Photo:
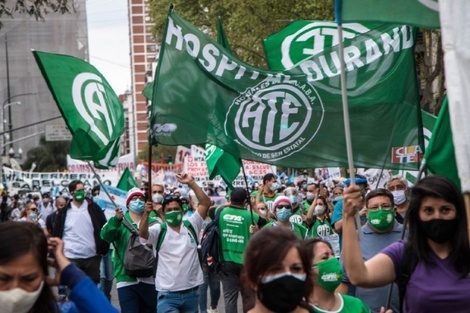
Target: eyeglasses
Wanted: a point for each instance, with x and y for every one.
(138, 198)
(284, 206)
(171, 198)
(385, 207)
(33, 209)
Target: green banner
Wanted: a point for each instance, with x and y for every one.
(89, 106)
(420, 13)
(301, 40)
(291, 118)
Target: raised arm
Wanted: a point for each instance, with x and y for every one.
(312, 208)
(203, 199)
(376, 272)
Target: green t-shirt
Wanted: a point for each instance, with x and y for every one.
(349, 305)
(306, 206)
(320, 229)
(299, 230)
(234, 228)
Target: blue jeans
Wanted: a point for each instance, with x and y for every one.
(106, 274)
(211, 280)
(178, 302)
(140, 298)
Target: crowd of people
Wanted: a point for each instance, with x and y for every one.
(305, 247)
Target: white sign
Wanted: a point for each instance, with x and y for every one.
(57, 132)
(181, 153)
(77, 166)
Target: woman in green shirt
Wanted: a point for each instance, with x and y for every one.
(282, 209)
(327, 274)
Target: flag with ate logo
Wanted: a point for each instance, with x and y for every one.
(89, 106)
(293, 118)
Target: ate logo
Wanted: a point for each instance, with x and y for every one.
(90, 99)
(275, 118)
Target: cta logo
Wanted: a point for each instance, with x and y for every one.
(164, 129)
(276, 118)
(90, 99)
(409, 154)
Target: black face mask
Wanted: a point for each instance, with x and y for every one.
(439, 230)
(282, 294)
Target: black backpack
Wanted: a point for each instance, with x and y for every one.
(139, 260)
(211, 245)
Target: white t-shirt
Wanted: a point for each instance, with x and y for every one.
(40, 222)
(79, 242)
(178, 262)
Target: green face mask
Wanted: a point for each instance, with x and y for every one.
(330, 274)
(185, 207)
(174, 218)
(381, 219)
(79, 195)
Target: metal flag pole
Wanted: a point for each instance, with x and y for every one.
(101, 184)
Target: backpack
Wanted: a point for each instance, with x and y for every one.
(211, 246)
(139, 260)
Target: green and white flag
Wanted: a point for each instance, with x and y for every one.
(420, 13)
(218, 161)
(291, 118)
(89, 106)
(127, 182)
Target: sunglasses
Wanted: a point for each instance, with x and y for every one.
(171, 198)
(284, 206)
(33, 209)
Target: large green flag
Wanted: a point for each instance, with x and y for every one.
(301, 40)
(440, 155)
(421, 13)
(218, 161)
(127, 182)
(89, 106)
(291, 118)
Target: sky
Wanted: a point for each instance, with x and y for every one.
(108, 41)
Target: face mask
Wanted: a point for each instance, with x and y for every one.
(282, 292)
(95, 198)
(293, 199)
(185, 207)
(399, 196)
(330, 274)
(262, 212)
(304, 186)
(283, 214)
(381, 219)
(157, 198)
(310, 196)
(174, 218)
(33, 216)
(18, 300)
(274, 186)
(79, 196)
(137, 206)
(319, 209)
(439, 230)
(45, 201)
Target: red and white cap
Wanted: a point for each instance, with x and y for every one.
(134, 192)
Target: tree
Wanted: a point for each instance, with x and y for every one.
(49, 156)
(246, 23)
(36, 8)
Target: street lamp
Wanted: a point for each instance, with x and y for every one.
(2, 118)
(11, 153)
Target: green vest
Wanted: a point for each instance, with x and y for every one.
(234, 228)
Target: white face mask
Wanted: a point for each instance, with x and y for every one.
(399, 197)
(310, 196)
(262, 213)
(274, 186)
(157, 198)
(18, 300)
(319, 209)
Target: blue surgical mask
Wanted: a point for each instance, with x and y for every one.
(137, 206)
(33, 216)
(283, 214)
(310, 196)
(293, 199)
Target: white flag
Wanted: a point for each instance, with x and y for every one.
(455, 25)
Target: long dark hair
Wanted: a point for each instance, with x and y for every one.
(438, 187)
(19, 239)
(267, 249)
